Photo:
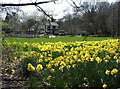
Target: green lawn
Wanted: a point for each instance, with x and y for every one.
(56, 39)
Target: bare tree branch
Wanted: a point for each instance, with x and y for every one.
(40, 9)
(25, 4)
(70, 4)
(75, 4)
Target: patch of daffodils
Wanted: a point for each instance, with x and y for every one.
(97, 57)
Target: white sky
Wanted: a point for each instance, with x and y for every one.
(58, 10)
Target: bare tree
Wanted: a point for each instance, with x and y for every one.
(97, 17)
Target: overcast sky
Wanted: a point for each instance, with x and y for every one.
(58, 9)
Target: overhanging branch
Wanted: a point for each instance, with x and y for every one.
(26, 4)
(40, 9)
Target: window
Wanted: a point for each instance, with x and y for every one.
(48, 27)
(54, 27)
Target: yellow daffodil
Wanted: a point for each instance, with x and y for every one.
(63, 63)
(104, 86)
(30, 67)
(114, 71)
(15, 58)
(41, 56)
(20, 59)
(74, 65)
(13, 70)
(40, 60)
(61, 67)
(106, 60)
(98, 59)
(49, 77)
(91, 59)
(115, 57)
(85, 79)
(118, 60)
(107, 57)
(68, 66)
(107, 72)
(39, 67)
(52, 70)
(78, 60)
(51, 62)
(48, 66)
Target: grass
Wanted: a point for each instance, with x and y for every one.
(56, 39)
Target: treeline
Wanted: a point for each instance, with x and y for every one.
(98, 18)
(27, 24)
(101, 18)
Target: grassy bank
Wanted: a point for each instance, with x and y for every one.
(55, 39)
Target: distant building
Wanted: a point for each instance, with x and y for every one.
(51, 27)
(37, 30)
(48, 27)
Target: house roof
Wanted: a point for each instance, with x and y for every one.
(52, 23)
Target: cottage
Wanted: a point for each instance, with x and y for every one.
(51, 27)
(48, 27)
